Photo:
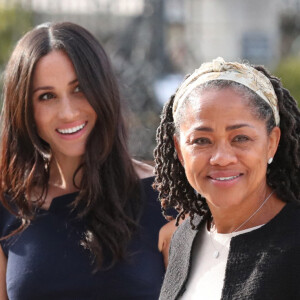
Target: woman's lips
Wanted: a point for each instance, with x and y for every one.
(74, 132)
(225, 179)
(71, 130)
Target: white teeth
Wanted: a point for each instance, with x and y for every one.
(226, 178)
(71, 130)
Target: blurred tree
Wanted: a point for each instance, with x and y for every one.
(139, 57)
(14, 22)
(290, 31)
(288, 71)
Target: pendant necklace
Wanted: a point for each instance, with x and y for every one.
(217, 252)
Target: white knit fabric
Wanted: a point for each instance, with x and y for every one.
(207, 272)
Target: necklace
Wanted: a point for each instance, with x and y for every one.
(217, 252)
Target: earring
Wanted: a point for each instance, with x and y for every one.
(270, 160)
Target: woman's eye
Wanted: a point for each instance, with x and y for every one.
(46, 96)
(77, 89)
(202, 141)
(241, 138)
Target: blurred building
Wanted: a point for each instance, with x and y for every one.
(187, 31)
(152, 43)
(234, 29)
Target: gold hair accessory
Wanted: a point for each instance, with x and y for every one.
(241, 73)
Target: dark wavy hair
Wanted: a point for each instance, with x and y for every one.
(109, 195)
(283, 175)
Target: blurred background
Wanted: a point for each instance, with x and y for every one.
(154, 43)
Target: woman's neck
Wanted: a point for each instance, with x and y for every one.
(62, 174)
(252, 213)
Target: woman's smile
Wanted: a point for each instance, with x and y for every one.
(224, 175)
(224, 148)
(64, 117)
(224, 180)
(71, 130)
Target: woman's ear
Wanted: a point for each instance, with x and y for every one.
(178, 150)
(274, 138)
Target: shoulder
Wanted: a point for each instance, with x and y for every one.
(143, 169)
(152, 213)
(179, 259)
(8, 218)
(290, 214)
(8, 223)
(5, 219)
(183, 237)
(290, 218)
(283, 228)
(185, 227)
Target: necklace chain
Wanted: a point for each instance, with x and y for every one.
(217, 252)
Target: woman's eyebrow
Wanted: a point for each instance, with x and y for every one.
(42, 88)
(237, 126)
(228, 128)
(51, 87)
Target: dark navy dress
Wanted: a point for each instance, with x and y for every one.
(46, 261)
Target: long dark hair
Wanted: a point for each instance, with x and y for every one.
(109, 190)
(283, 174)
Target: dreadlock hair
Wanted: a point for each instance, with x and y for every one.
(109, 192)
(283, 175)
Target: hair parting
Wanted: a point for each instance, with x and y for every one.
(109, 197)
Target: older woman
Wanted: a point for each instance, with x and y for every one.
(228, 155)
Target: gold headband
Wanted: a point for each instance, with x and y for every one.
(241, 73)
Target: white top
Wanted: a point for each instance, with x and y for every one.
(208, 272)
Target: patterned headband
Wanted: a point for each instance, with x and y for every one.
(241, 73)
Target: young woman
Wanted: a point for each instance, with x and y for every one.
(228, 155)
(79, 219)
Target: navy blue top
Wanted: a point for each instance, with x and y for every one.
(46, 261)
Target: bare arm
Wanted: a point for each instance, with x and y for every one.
(164, 239)
(3, 263)
(142, 169)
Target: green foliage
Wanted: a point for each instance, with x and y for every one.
(289, 72)
(14, 22)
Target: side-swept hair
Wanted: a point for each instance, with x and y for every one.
(109, 190)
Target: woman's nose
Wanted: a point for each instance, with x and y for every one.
(223, 155)
(68, 110)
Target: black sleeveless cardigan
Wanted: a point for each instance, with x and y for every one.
(262, 264)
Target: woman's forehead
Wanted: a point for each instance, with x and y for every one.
(212, 98)
(217, 106)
